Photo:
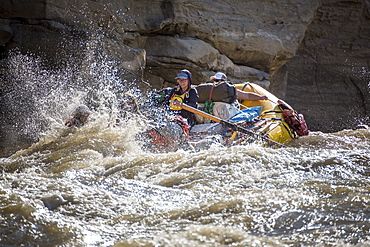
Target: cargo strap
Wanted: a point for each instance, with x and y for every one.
(208, 105)
(292, 133)
(244, 86)
(183, 124)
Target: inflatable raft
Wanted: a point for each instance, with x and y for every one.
(268, 124)
(271, 122)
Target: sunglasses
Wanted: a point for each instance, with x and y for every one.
(216, 80)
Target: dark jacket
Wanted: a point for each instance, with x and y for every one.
(191, 99)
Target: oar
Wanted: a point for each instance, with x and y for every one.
(228, 124)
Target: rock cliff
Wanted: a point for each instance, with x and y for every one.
(314, 54)
(329, 77)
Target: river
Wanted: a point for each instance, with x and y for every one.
(96, 186)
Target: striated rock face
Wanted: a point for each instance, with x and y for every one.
(329, 78)
(262, 35)
(150, 41)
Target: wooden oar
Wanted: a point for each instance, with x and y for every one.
(230, 125)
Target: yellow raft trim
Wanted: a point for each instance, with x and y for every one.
(275, 127)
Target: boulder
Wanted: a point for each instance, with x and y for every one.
(166, 55)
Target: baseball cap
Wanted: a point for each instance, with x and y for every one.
(182, 75)
(219, 76)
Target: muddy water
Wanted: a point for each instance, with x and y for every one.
(95, 186)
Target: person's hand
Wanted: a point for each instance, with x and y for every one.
(176, 102)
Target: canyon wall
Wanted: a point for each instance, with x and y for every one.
(329, 77)
(314, 54)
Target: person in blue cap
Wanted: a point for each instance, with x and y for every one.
(184, 93)
(173, 132)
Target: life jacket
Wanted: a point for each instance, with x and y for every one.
(295, 120)
(222, 92)
(180, 98)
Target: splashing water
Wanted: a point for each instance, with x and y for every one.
(97, 186)
(112, 192)
(36, 98)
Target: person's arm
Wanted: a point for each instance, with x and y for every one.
(193, 97)
(169, 96)
(241, 95)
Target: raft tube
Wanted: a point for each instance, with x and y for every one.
(272, 123)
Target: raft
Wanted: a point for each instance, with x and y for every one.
(268, 123)
(272, 124)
